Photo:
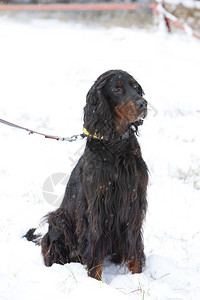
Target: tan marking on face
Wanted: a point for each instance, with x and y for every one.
(119, 84)
(126, 111)
(131, 82)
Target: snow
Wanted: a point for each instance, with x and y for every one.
(47, 67)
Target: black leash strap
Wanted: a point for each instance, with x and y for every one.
(68, 139)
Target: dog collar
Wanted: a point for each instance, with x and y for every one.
(94, 135)
(124, 136)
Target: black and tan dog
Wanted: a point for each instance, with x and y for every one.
(104, 206)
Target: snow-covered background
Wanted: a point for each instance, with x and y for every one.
(46, 69)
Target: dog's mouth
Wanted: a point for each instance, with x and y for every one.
(141, 116)
(140, 119)
(136, 116)
(129, 113)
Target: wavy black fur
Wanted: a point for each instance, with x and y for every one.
(105, 200)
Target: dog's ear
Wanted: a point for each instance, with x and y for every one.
(97, 115)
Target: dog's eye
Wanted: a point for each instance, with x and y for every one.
(117, 90)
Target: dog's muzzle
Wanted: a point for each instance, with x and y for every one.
(141, 105)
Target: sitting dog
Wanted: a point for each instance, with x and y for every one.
(104, 205)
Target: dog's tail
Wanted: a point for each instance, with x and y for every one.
(32, 237)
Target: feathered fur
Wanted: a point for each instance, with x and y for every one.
(105, 199)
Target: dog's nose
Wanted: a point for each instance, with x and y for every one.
(141, 104)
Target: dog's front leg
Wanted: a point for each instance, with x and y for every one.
(95, 271)
(134, 266)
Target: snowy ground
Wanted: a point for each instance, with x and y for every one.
(46, 69)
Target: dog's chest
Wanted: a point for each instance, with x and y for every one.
(117, 170)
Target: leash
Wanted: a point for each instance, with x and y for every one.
(73, 138)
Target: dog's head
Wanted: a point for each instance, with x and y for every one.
(114, 102)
